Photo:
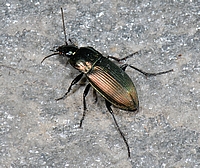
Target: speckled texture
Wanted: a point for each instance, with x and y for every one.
(37, 131)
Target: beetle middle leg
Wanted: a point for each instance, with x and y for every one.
(122, 59)
(139, 70)
(78, 78)
(87, 88)
(108, 105)
(145, 73)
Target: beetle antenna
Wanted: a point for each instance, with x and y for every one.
(49, 56)
(63, 21)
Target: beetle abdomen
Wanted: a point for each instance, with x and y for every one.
(114, 85)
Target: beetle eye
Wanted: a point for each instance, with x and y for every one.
(70, 53)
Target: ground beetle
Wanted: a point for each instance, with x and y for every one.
(105, 77)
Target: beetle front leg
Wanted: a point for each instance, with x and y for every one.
(108, 105)
(84, 103)
(78, 78)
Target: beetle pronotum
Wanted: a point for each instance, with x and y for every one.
(105, 77)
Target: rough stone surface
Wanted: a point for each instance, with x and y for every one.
(37, 131)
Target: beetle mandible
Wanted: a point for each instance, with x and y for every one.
(105, 77)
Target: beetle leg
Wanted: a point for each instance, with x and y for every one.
(108, 105)
(95, 95)
(123, 67)
(122, 59)
(149, 74)
(78, 78)
(87, 88)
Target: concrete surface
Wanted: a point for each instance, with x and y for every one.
(37, 131)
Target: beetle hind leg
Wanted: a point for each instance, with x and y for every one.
(78, 78)
(108, 105)
(87, 88)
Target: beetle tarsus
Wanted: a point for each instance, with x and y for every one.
(159, 73)
(61, 98)
(78, 78)
(108, 105)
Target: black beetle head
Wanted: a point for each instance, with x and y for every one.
(67, 50)
(64, 50)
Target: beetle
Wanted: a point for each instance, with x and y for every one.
(104, 76)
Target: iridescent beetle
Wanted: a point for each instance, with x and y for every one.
(105, 77)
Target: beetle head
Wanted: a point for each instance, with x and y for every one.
(64, 50)
(67, 50)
